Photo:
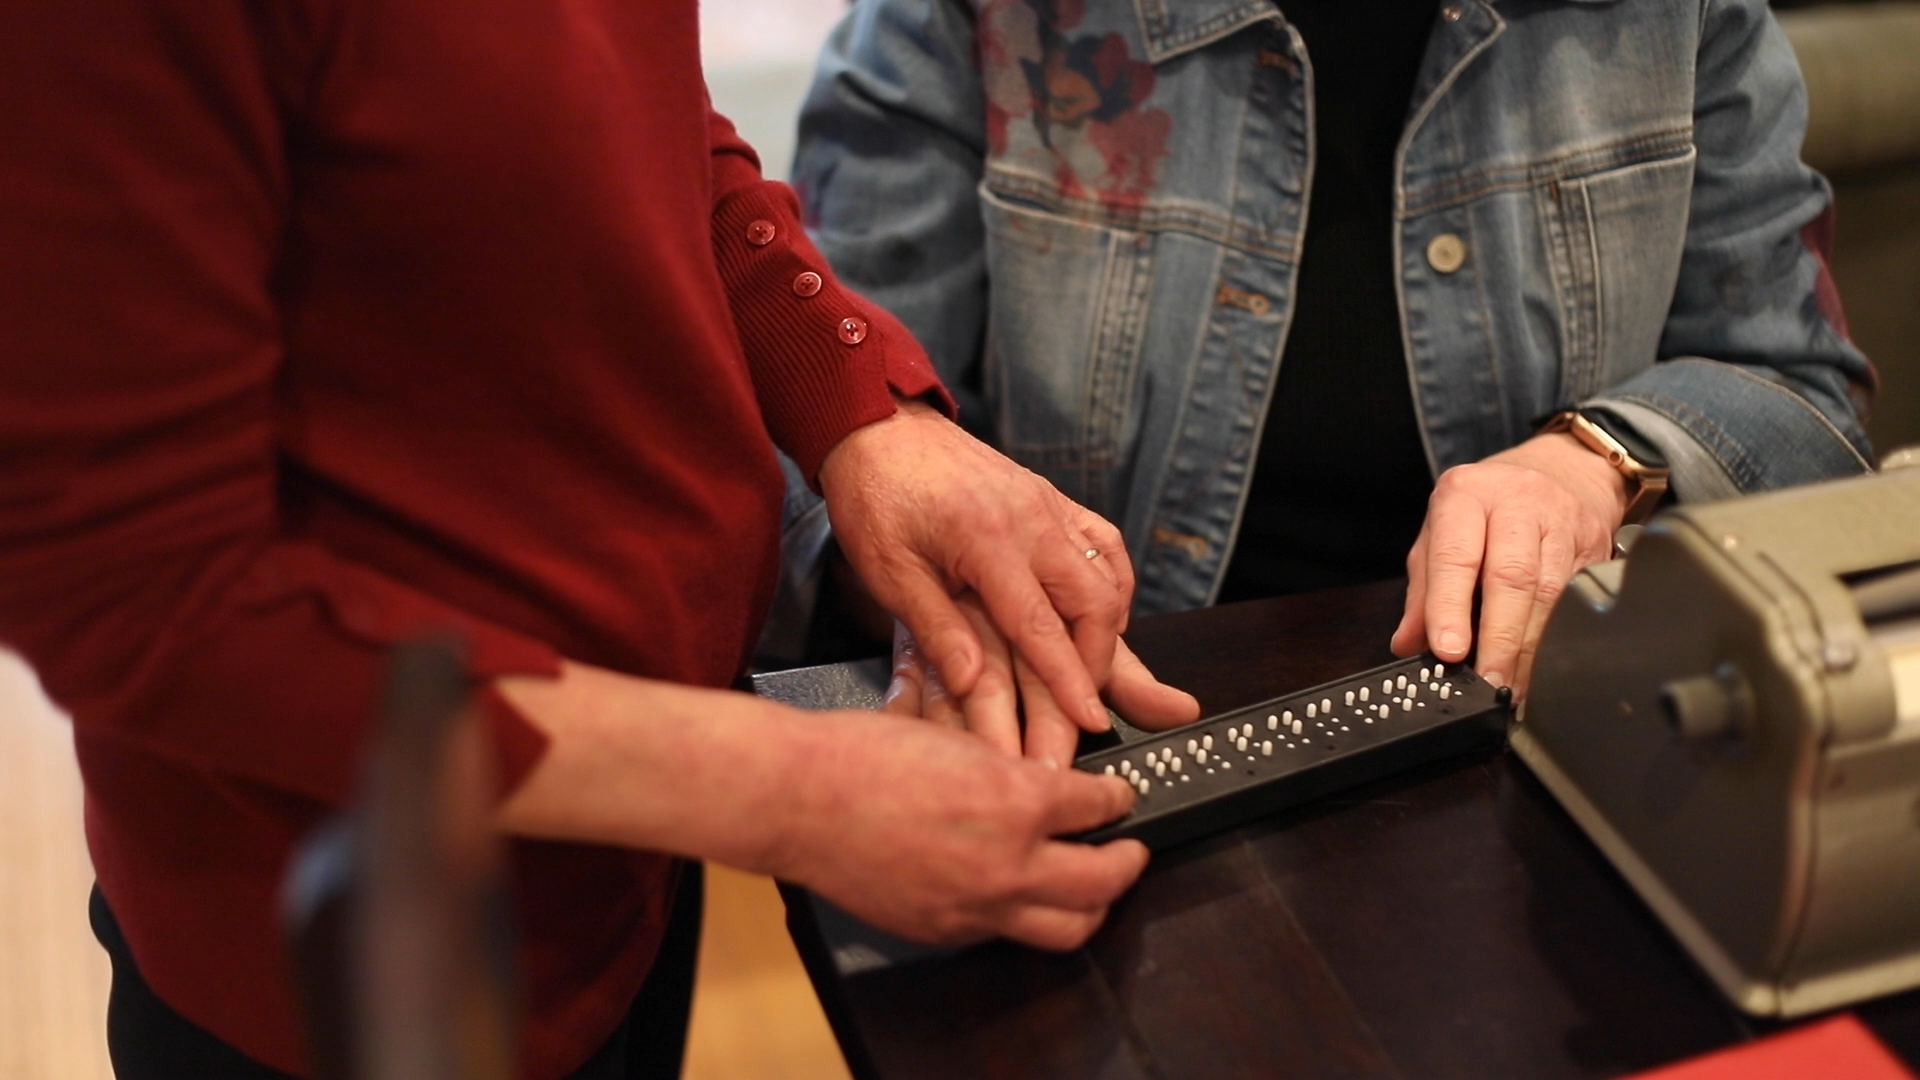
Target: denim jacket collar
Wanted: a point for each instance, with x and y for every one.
(1172, 27)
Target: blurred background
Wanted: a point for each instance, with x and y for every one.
(754, 1012)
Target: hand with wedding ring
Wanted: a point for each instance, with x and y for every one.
(994, 573)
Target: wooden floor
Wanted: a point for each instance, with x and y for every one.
(754, 1014)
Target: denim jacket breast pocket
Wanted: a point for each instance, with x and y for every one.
(1614, 241)
(1067, 307)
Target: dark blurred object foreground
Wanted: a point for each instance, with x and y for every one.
(397, 911)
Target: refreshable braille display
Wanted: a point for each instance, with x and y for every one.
(1220, 772)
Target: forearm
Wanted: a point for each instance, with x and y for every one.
(708, 774)
(1728, 429)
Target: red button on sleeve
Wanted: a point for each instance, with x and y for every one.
(761, 233)
(807, 284)
(853, 331)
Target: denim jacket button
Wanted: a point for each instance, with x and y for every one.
(1451, 13)
(807, 284)
(761, 233)
(853, 331)
(1446, 253)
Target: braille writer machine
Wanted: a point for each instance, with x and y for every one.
(1732, 713)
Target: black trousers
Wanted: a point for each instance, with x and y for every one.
(147, 1040)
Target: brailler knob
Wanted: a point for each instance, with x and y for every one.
(807, 284)
(853, 331)
(761, 233)
(1701, 707)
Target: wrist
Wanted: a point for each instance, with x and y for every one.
(656, 766)
(844, 460)
(1585, 473)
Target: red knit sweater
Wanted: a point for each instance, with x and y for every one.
(325, 322)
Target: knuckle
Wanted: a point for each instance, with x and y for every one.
(1453, 481)
(1041, 619)
(1073, 934)
(951, 926)
(1516, 573)
(1453, 551)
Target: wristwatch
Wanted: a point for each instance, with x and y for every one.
(1643, 465)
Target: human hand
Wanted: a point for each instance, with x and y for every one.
(924, 512)
(930, 834)
(920, 830)
(1519, 525)
(1007, 683)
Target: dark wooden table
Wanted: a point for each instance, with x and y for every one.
(1451, 922)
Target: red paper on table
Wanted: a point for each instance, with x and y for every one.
(1838, 1049)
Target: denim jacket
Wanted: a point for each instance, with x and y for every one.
(1091, 213)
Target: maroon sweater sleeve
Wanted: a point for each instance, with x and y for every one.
(824, 360)
(144, 569)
